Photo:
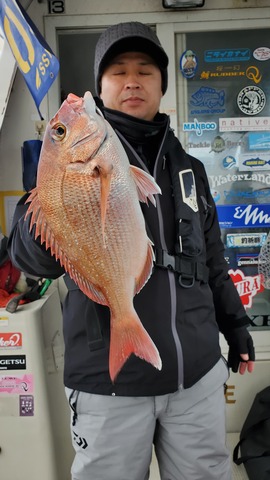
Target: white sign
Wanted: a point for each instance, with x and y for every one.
(244, 124)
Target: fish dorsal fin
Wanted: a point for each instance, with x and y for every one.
(146, 185)
(147, 270)
(47, 236)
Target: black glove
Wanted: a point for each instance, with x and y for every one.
(239, 341)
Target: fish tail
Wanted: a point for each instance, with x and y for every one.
(130, 337)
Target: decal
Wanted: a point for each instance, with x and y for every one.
(209, 100)
(251, 100)
(218, 144)
(12, 362)
(239, 216)
(244, 124)
(246, 286)
(218, 180)
(253, 73)
(227, 55)
(18, 384)
(233, 72)
(4, 321)
(216, 195)
(188, 64)
(262, 53)
(188, 189)
(199, 145)
(229, 162)
(259, 141)
(247, 259)
(199, 127)
(234, 240)
(10, 340)
(246, 162)
(264, 193)
(26, 405)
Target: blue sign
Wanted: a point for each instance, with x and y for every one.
(227, 55)
(259, 141)
(33, 55)
(243, 216)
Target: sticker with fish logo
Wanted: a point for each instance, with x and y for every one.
(188, 64)
(251, 100)
(188, 189)
(229, 162)
(262, 53)
(262, 162)
(208, 101)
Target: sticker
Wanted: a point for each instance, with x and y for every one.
(223, 72)
(216, 195)
(218, 180)
(262, 53)
(229, 162)
(218, 144)
(26, 405)
(247, 286)
(209, 100)
(247, 259)
(18, 384)
(199, 127)
(4, 321)
(253, 73)
(251, 100)
(264, 193)
(188, 189)
(259, 141)
(10, 340)
(234, 240)
(188, 64)
(12, 362)
(244, 124)
(227, 55)
(239, 216)
(246, 162)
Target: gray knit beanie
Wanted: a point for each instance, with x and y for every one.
(126, 37)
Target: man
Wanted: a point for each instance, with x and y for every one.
(187, 301)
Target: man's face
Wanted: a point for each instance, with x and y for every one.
(132, 84)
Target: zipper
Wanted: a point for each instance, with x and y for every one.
(171, 276)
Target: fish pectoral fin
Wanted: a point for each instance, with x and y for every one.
(129, 336)
(147, 270)
(88, 288)
(146, 185)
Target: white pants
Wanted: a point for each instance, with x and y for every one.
(113, 436)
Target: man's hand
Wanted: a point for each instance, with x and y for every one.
(241, 356)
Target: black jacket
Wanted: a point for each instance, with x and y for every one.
(184, 323)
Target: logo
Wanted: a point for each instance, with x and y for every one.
(188, 64)
(218, 144)
(253, 73)
(254, 163)
(12, 362)
(259, 194)
(247, 287)
(218, 180)
(244, 124)
(239, 216)
(10, 340)
(229, 162)
(251, 100)
(198, 127)
(259, 141)
(235, 240)
(262, 53)
(247, 260)
(227, 55)
(209, 100)
(80, 441)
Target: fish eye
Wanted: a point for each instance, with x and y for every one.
(59, 131)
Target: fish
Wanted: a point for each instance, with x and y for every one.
(86, 210)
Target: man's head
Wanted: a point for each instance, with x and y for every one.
(129, 37)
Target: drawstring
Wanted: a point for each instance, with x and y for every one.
(73, 406)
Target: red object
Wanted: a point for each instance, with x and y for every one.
(9, 276)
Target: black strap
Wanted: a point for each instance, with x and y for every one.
(188, 269)
(92, 323)
(245, 458)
